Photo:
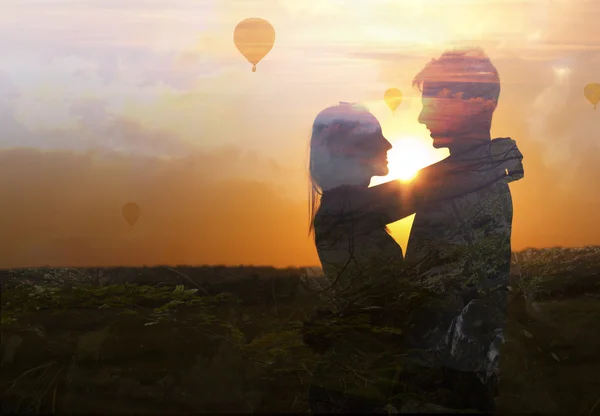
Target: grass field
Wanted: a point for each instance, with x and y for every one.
(226, 339)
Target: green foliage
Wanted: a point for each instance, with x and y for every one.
(558, 272)
(24, 300)
(179, 327)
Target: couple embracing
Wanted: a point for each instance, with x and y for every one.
(439, 310)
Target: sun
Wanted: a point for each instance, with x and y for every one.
(402, 166)
(408, 155)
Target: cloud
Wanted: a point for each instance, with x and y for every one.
(564, 138)
(111, 36)
(95, 128)
(164, 80)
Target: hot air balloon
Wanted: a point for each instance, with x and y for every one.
(131, 212)
(393, 98)
(254, 38)
(592, 93)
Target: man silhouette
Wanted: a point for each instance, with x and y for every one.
(460, 249)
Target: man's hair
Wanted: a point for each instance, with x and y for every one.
(467, 73)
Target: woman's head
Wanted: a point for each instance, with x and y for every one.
(347, 147)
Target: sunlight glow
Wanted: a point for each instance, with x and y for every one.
(561, 72)
(408, 156)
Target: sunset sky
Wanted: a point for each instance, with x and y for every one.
(150, 101)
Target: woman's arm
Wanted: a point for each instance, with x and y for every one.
(496, 155)
(445, 180)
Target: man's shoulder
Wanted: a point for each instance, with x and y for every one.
(495, 198)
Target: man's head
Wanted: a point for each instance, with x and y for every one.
(460, 93)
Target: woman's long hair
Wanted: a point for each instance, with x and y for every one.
(315, 175)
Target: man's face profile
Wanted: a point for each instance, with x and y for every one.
(441, 114)
(448, 116)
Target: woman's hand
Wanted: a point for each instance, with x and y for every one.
(506, 154)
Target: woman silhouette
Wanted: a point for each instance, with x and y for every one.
(349, 222)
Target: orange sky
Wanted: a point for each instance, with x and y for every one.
(216, 154)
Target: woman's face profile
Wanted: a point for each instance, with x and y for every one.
(368, 147)
(370, 152)
(356, 147)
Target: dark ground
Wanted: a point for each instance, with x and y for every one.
(152, 340)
